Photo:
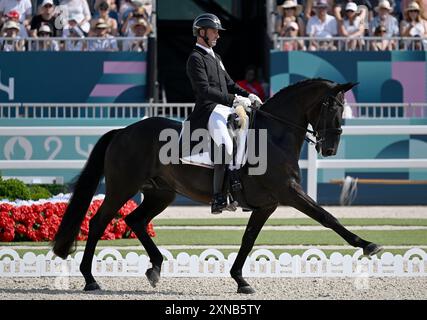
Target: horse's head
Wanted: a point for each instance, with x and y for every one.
(326, 119)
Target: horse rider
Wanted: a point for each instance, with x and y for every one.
(215, 94)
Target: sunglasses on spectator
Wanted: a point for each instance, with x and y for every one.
(44, 33)
(291, 29)
(48, 6)
(413, 11)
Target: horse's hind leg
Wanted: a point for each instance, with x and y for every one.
(301, 201)
(97, 225)
(155, 201)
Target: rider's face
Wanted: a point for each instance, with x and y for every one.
(212, 34)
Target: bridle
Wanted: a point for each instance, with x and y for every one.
(319, 135)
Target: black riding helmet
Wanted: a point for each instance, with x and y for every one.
(205, 21)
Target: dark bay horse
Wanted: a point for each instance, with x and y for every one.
(129, 160)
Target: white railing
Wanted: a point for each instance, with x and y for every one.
(350, 44)
(94, 110)
(312, 164)
(75, 44)
(177, 110)
(388, 110)
(212, 263)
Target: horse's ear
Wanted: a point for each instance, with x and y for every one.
(345, 86)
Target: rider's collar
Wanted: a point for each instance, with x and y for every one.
(208, 50)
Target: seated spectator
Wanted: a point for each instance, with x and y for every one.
(104, 13)
(106, 42)
(23, 7)
(132, 17)
(79, 9)
(289, 12)
(128, 6)
(47, 16)
(46, 44)
(251, 83)
(14, 43)
(381, 44)
(421, 3)
(385, 19)
(413, 26)
(294, 44)
(351, 26)
(322, 25)
(75, 44)
(139, 29)
(14, 16)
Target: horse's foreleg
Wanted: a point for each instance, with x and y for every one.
(301, 201)
(155, 202)
(255, 224)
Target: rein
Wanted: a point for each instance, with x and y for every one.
(314, 132)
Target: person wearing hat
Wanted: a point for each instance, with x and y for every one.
(104, 13)
(413, 25)
(45, 43)
(292, 31)
(140, 29)
(290, 11)
(23, 7)
(385, 19)
(14, 43)
(322, 25)
(47, 16)
(216, 93)
(105, 41)
(351, 26)
(421, 3)
(14, 16)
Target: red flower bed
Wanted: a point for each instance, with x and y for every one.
(39, 222)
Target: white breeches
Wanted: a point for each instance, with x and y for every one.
(217, 126)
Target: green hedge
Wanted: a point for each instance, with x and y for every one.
(13, 189)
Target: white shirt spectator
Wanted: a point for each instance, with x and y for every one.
(390, 23)
(107, 43)
(325, 29)
(23, 7)
(352, 28)
(79, 10)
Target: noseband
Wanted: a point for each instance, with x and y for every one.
(318, 134)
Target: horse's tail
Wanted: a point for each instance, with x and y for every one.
(84, 190)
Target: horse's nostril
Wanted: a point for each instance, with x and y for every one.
(330, 152)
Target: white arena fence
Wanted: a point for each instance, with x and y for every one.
(181, 111)
(79, 43)
(312, 164)
(212, 263)
(350, 44)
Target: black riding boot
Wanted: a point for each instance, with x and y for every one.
(219, 201)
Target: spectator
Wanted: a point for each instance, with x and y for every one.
(132, 17)
(385, 19)
(14, 16)
(413, 26)
(23, 7)
(128, 6)
(74, 44)
(251, 83)
(79, 9)
(139, 29)
(421, 3)
(106, 42)
(322, 25)
(46, 16)
(15, 43)
(381, 44)
(294, 44)
(103, 13)
(289, 12)
(46, 44)
(351, 26)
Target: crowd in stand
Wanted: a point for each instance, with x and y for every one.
(55, 25)
(369, 24)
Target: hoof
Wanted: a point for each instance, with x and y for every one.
(245, 290)
(372, 249)
(153, 276)
(92, 287)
